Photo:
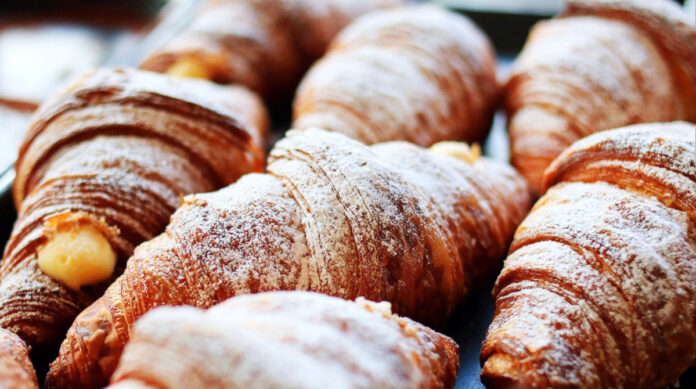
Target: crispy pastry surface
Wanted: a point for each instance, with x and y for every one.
(418, 73)
(599, 289)
(265, 45)
(601, 64)
(116, 151)
(390, 222)
(286, 340)
(16, 370)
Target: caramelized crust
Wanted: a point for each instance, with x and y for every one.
(116, 151)
(265, 45)
(392, 222)
(16, 371)
(602, 64)
(419, 73)
(599, 289)
(285, 340)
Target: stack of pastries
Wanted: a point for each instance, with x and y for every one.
(265, 45)
(391, 222)
(151, 219)
(101, 169)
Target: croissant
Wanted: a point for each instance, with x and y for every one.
(102, 168)
(265, 45)
(16, 370)
(419, 73)
(599, 290)
(392, 222)
(288, 340)
(602, 64)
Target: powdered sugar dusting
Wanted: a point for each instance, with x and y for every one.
(117, 149)
(391, 222)
(384, 79)
(265, 45)
(604, 269)
(602, 65)
(313, 341)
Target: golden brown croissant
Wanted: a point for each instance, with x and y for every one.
(102, 168)
(602, 64)
(390, 222)
(265, 45)
(420, 73)
(599, 290)
(287, 340)
(16, 370)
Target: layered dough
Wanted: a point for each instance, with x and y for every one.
(102, 168)
(599, 65)
(265, 45)
(390, 222)
(285, 340)
(417, 73)
(599, 289)
(16, 370)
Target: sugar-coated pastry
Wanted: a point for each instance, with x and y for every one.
(599, 289)
(601, 64)
(285, 340)
(390, 222)
(418, 73)
(101, 169)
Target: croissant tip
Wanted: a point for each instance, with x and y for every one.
(502, 371)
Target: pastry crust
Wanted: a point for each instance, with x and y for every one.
(390, 222)
(602, 64)
(286, 340)
(418, 73)
(116, 151)
(599, 289)
(16, 371)
(265, 45)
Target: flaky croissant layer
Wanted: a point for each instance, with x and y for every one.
(102, 168)
(285, 340)
(600, 287)
(265, 45)
(599, 65)
(418, 73)
(16, 370)
(392, 222)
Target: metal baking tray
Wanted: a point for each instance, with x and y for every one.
(508, 31)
